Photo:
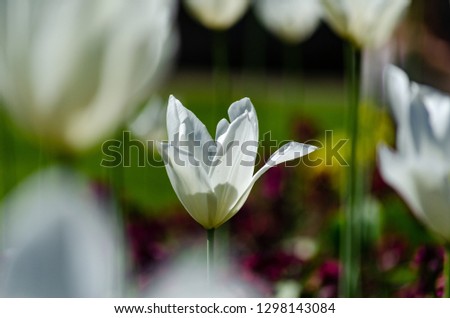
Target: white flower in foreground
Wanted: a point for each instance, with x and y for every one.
(184, 276)
(367, 23)
(217, 14)
(72, 71)
(420, 168)
(58, 239)
(291, 20)
(213, 178)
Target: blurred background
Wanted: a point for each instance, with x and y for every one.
(285, 242)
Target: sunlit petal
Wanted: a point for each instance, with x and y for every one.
(190, 182)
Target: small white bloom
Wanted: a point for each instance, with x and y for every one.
(291, 20)
(213, 178)
(71, 72)
(288, 289)
(217, 14)
(420, 168)
(367, 23)
(150, 123)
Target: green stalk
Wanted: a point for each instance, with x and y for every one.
(210, 255)
(7, 153)
(220, 73)
(447, 271)
(351, 240)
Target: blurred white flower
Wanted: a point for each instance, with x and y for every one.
(217, 14)
(185, 276)
(150, 124)
(58, 239)
(213, 178)
(288, 289)
(367, 23)
(72, 71)
(420, 168)
(291, 20)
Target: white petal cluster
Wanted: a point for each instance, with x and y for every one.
(291, 20)
(420, 168)
(213, 178)
(367, 23)
(72, 71)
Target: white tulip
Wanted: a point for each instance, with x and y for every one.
(58, 239)
(367, 23)
(291, 20)
(420, 168)
(72, 71)
(213, 178)
(217, 14)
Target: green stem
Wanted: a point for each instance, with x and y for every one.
(7, 160)
(220, 73)
(447, 271)
(210, 255)
(351, 235)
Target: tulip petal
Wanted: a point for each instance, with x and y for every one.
(124, 54)
(290, 151)
(395, 171)
(106, 57)
(438, 107)
(399, 94)
(222, 127)
(336, 14)
(248, 133)
(424, 185)
(240, 107)
(183, 126)
(177, 115)
(432, 180)
(366, 23)
(233, 166)
(217, 14)
(425, 141)
(190, 182)
(291, 20)
(391, 12)
(398, 91)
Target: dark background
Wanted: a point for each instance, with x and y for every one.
(250, 46)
